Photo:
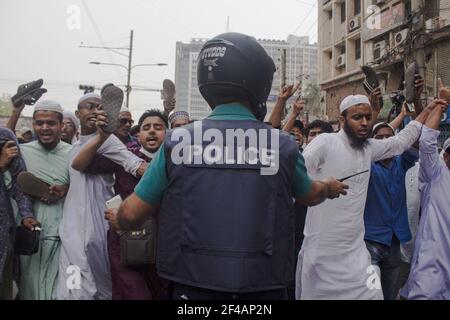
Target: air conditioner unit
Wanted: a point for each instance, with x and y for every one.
(379, 49)
(400, 37)
(354, 24)
(340, 61)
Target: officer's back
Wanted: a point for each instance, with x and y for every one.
(225, 185)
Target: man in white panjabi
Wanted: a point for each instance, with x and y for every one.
(84, 268)
(334, 262)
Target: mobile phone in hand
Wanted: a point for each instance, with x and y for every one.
(114, 203)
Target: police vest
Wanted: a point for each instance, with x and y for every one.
(224, 225)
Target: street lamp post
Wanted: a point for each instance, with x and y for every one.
(128, 69)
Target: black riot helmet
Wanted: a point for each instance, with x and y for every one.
(235, 66)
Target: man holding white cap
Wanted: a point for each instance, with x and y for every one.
(47, 158)
(334, 262)
(83, 228)
(430, 267)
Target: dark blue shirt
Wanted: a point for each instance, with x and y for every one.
(385, 213)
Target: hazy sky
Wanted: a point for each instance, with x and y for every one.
(36, 41)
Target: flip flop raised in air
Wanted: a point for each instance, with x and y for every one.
(168, 94)
(112, 99)
(410, 88)
(35, 187)
(371, 81)
(28, 93)
(168, 89)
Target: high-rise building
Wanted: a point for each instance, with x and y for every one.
(301, 59)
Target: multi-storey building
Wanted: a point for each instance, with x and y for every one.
(386, 35)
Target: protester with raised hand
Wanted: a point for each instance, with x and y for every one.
(334, 262)
(277, 112)
(430, 265)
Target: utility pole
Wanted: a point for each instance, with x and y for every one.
(283, 76)
(130, 54)
(283, 68)
(128, 86)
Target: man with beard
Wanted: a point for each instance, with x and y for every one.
(70, 129)
(47, 158)
(334, 262)
(128, 282)
(83, 229)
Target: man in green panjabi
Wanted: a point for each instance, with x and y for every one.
(47, 158)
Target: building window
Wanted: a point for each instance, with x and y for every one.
(357, 7)
(343, 12)
(358, 49)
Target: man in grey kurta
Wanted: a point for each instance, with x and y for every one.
(429, 278)
(47, 158)
(84, 269)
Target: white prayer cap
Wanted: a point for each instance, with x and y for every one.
(446, 144)
(88, 96)
(24, 130)
(175, 115)
(70, 115)
(48, 105)
(351, 101)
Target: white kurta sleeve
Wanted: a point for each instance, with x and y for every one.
(388, 148)
(316, 152)
(430, 164)
(116, 151)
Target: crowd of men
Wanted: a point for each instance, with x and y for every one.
(357, 213)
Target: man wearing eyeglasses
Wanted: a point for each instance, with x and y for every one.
(125, 124)
(83, 229)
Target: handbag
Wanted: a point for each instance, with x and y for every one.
(26, 241)
(138, 247)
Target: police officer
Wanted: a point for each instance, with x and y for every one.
(226, 217)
